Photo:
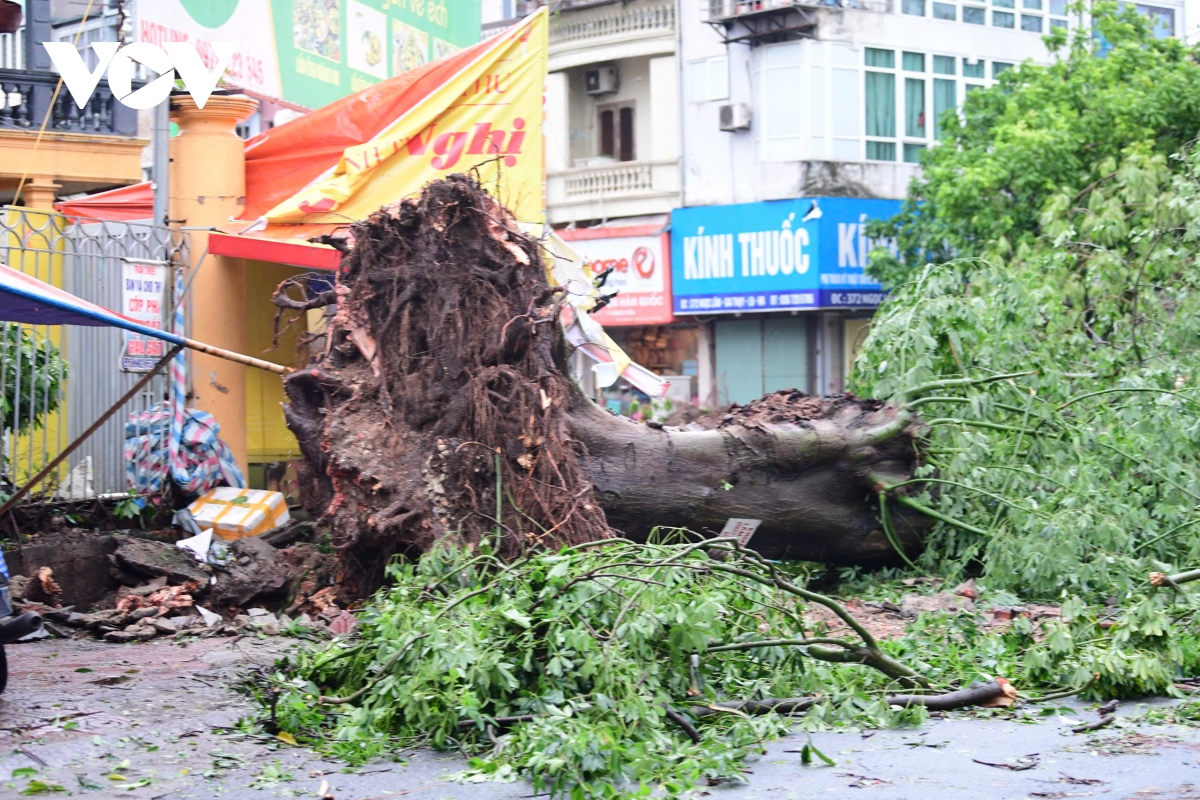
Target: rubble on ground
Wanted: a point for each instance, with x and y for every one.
(163, 590)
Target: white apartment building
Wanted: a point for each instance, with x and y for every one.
(803, 120)
(723, 157)
(840, 98)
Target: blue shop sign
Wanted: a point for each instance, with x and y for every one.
(775, 256)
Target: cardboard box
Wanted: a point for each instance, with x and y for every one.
(235, 513)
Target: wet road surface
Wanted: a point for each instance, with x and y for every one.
(150, 721)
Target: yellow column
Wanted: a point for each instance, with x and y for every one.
(208, 188)
(40, 192)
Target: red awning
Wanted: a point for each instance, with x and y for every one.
(118, 205)
(293, 252)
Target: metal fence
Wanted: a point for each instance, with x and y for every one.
(55, 381)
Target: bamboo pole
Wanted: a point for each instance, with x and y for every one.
(237, 358)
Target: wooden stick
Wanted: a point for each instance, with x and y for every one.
(236, 358)
(61, 457)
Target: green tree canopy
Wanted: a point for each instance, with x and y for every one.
(1052, 139)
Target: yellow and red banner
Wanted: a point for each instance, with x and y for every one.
(486, 118)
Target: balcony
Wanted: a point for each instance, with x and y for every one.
(766, 21)
(611, 32)
(25, 98)
(619, 189)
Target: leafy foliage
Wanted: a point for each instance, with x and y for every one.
(1053, 139)
(1082, 476)
(591, 647)
(32, 376)
(561, 666)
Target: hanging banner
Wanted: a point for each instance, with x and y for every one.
(637, 259)
(312, 52)
(143, 292)
(485, 120)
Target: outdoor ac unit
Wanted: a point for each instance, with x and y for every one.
(602, 80)
(735, 117)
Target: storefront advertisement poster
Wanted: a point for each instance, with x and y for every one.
(143, 288)
(778, 255)
(312, 52)
(637, 259)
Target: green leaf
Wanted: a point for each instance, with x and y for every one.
(517, 617)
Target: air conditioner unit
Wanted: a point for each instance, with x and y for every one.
(602, 80)
(735, 117)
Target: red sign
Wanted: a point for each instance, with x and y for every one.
(639, 260)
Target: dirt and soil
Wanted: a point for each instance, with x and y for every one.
(124, 587)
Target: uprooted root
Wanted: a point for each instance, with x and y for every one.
(437, 409)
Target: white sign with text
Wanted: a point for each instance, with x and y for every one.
(143, 287)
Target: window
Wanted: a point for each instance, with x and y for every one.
(914, 97)
(783, 103)
(945, 91)
(880, 96)
(914, 7)
(1029, 23)
(945, 11)
(1162, 20)
(617, 131)
(1003, 19)
(710, 79)
(909, 97)
(1058, 8)
(98, 30)
(974, 16)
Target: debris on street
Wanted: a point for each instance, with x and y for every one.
(157, 588)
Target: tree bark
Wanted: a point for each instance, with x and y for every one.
(442, 410)
(811, 486)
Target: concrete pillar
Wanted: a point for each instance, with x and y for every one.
(706, 368)
(664, 109)
(829, 356)
(558, 129)
(208, 188)
(40, 192)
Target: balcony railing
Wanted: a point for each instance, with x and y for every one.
(574, 28)
(25, 98)
(619, 180)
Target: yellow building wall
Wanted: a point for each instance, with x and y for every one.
(267, 436)
(33, 243)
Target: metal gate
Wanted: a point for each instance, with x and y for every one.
(55, 381)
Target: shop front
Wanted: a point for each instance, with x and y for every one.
(781, 287)
(635, 261)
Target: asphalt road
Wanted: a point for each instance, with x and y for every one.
(143, 723)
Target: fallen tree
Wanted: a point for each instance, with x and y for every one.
(443, 407)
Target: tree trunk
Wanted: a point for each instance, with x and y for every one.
(441, 409)
(810, 482)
